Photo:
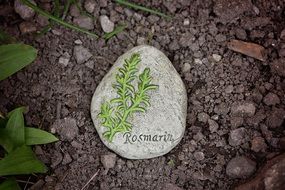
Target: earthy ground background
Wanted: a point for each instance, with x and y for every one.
(58, 90)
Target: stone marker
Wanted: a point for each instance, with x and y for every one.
(139, 109)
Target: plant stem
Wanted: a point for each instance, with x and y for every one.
(117, 30)
(142, 8)
(65, 9)
(58, 20)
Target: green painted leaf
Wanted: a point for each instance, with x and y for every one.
(128, 100)
(21, 161)
(10, 184)
(14, 57)
(35, 136)
(15, 127)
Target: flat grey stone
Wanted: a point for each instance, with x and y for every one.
(159, 129)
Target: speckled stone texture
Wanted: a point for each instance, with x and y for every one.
(162, 126)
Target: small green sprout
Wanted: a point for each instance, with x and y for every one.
(115, 114)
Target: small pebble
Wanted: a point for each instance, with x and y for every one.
(217, 57)
(84, 22)
(237, 136)
(199, 156)
(27, 27)
(24, 11)
(213, 125)
(81, 54)
(240, 167)
(108, 160)
(186, 68)
(258, 144)
(186, 22)
(203, 117)
(106, 24)
(89, 6)
(271, 99)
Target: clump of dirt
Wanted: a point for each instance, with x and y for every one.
(236, 104)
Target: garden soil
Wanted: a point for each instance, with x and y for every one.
(236, 103)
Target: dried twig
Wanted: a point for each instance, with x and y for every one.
(27, 182)
(90, 180)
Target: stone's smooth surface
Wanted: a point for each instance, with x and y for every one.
(161, 127)
(81, 54)
(106, 24)
(240, 167)
(24, 11)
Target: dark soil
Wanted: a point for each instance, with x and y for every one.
(59, 95)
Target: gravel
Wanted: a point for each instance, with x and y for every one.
(54, 91)
(203, 117)
(240, 167)
(258, 144)
(109, 160)
(106, 24)
(243, 109)
(84, 22)
(24, 11)
(271, 99)
(66, 128)
(217, 57)
(81, 54)
(213, 125)
(27, 27)
(64, 59)
(237, 136)
(89, 5)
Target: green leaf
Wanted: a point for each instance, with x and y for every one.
(14, 57)
(15, 127)
(22, 109)
(6, 38)
(5, 140)
(35, 136)
(3, 122)
(10, 184)
(142, 8)
(21, 161)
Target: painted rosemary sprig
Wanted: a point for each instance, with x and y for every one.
(115, 113)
